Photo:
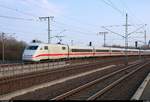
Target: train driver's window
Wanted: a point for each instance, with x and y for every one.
(45, 47)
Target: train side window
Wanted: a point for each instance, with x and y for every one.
(32, 47)
(81, 50)
(46, 47)
(63, 48)
(41, 48)
(102, 50)
(116, 51)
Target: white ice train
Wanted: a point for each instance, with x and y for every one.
(41, 51)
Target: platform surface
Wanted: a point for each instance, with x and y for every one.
(146, 93)
(143, 92)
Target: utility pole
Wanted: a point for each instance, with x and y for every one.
(126, 40)
(3, 48)
(145, 35)
(49, 30)
(104, 33)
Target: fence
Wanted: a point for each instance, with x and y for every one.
(14, 69)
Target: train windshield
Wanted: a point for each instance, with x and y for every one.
(32, 47)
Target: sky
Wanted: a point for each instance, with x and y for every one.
(78, 21)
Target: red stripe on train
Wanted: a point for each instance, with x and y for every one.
(65, 54)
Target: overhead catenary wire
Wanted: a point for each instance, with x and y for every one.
(113, 32)
(72, 18)
(133, 16)
(16, 18)
(34, 18)
(136, 30)
(74, 31)
(16, 10)
(109, 3)
(91, 25)
(76, 27)
(78, 31)
(20, 31)
(130, 11)
(87, 24)
(86, 31)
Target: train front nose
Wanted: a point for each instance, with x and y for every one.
(29, 52)
(28, 55)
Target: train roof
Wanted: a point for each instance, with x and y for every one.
(85, 47)
(37, 44)
(81, 47)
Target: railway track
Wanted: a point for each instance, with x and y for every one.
(98, 87)
(17, 82)
(68, 83)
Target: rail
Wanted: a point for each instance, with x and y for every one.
(106, 89)
(85, 86)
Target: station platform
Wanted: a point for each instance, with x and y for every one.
(143, 92)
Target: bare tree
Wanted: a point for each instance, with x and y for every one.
(13, 48)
